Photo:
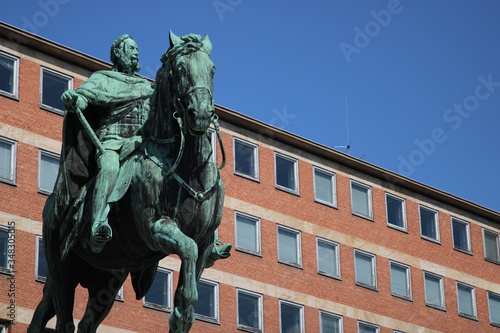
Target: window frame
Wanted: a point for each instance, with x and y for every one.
(333, 178)
(368, 325)
(295, 305)
(60, 75)
(216, 319)
(255, 154)
(403, 208)
(369, 197)
(8, 268)
(295, 173)
(48, 154)
(337, 257)
(495, 295)
(13, 161)
(15, 74)
(212, 136)
(408, 280)
(298, 237)
(166, 308)
(474, 303)
(258, 250)
(497, 237)
(441, 291)
(373, 269)
(260, 311)
(332, 315)
(467, 235)
(436, 223)
(38, 277)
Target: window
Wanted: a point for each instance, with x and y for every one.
(365, 269)
(324, 187)
(249, 311)
(400, 280)
(286, 173)
(49, 166)
(207, 307)
(247, 233)
(291, 317)
(429, 225)
(461, 235)
(159, 295)
(9, 75)
(4, 257)
(491, 246)
(246, 159)
(41, 260)
(494, 307)
(330, 323)
(361, 198)
(466, 298)
(434, 290)
(364, 327)
(328, 258)
(3, 328)
(289, 251)
(8, 150)
(53, 85)
(212, 137)
(396, 215)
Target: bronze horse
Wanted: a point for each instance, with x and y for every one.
(173, 205)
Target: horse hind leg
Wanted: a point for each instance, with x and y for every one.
(44, 311)
(103, 287)
(168, 238)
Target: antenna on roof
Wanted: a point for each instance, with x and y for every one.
(348, 147)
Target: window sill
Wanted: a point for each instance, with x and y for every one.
(211, 320)
(324, 203)
(44, 192)
(6, 271)
(9, 95)
(432, 240)
(373, 288)
(8, 182)
(52, 109)
(437, 307)
(463, 315)
(157, 307)
(249, 329)
(291, 264)
(41, 279)
(364, 217)
(252, 178)
(405, 298)
(335, 277)
(492, 261)
(257, 254)
(286, 189)
(398, 228)
(463, 251)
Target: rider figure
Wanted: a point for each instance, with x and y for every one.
(120, 102)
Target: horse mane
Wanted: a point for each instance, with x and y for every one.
(190, 43)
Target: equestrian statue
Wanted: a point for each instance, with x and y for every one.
(137, 181)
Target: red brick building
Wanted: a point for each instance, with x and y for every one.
(323, 242)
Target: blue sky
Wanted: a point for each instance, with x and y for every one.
(421, 78)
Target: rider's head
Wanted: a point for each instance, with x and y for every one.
(125, 55)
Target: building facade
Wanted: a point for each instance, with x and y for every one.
(323, 242)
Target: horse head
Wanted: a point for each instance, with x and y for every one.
(190, 76)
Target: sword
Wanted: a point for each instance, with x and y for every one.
(89, 130)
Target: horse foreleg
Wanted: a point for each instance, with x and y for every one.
(102, 288)
(168, 238)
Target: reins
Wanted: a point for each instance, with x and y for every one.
(198, 195)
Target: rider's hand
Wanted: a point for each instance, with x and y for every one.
(73, 101)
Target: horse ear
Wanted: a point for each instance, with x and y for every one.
(207, 44)
(174, 40)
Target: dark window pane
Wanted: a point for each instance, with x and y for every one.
(285, 173)
(244, 159)
(158, 293)
(53, 87)
(428, 223)
(395, 212)
(7, 75)
(290, 319)
(248, 310)
(206, 300)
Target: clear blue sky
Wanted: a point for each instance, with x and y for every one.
(422, 77)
